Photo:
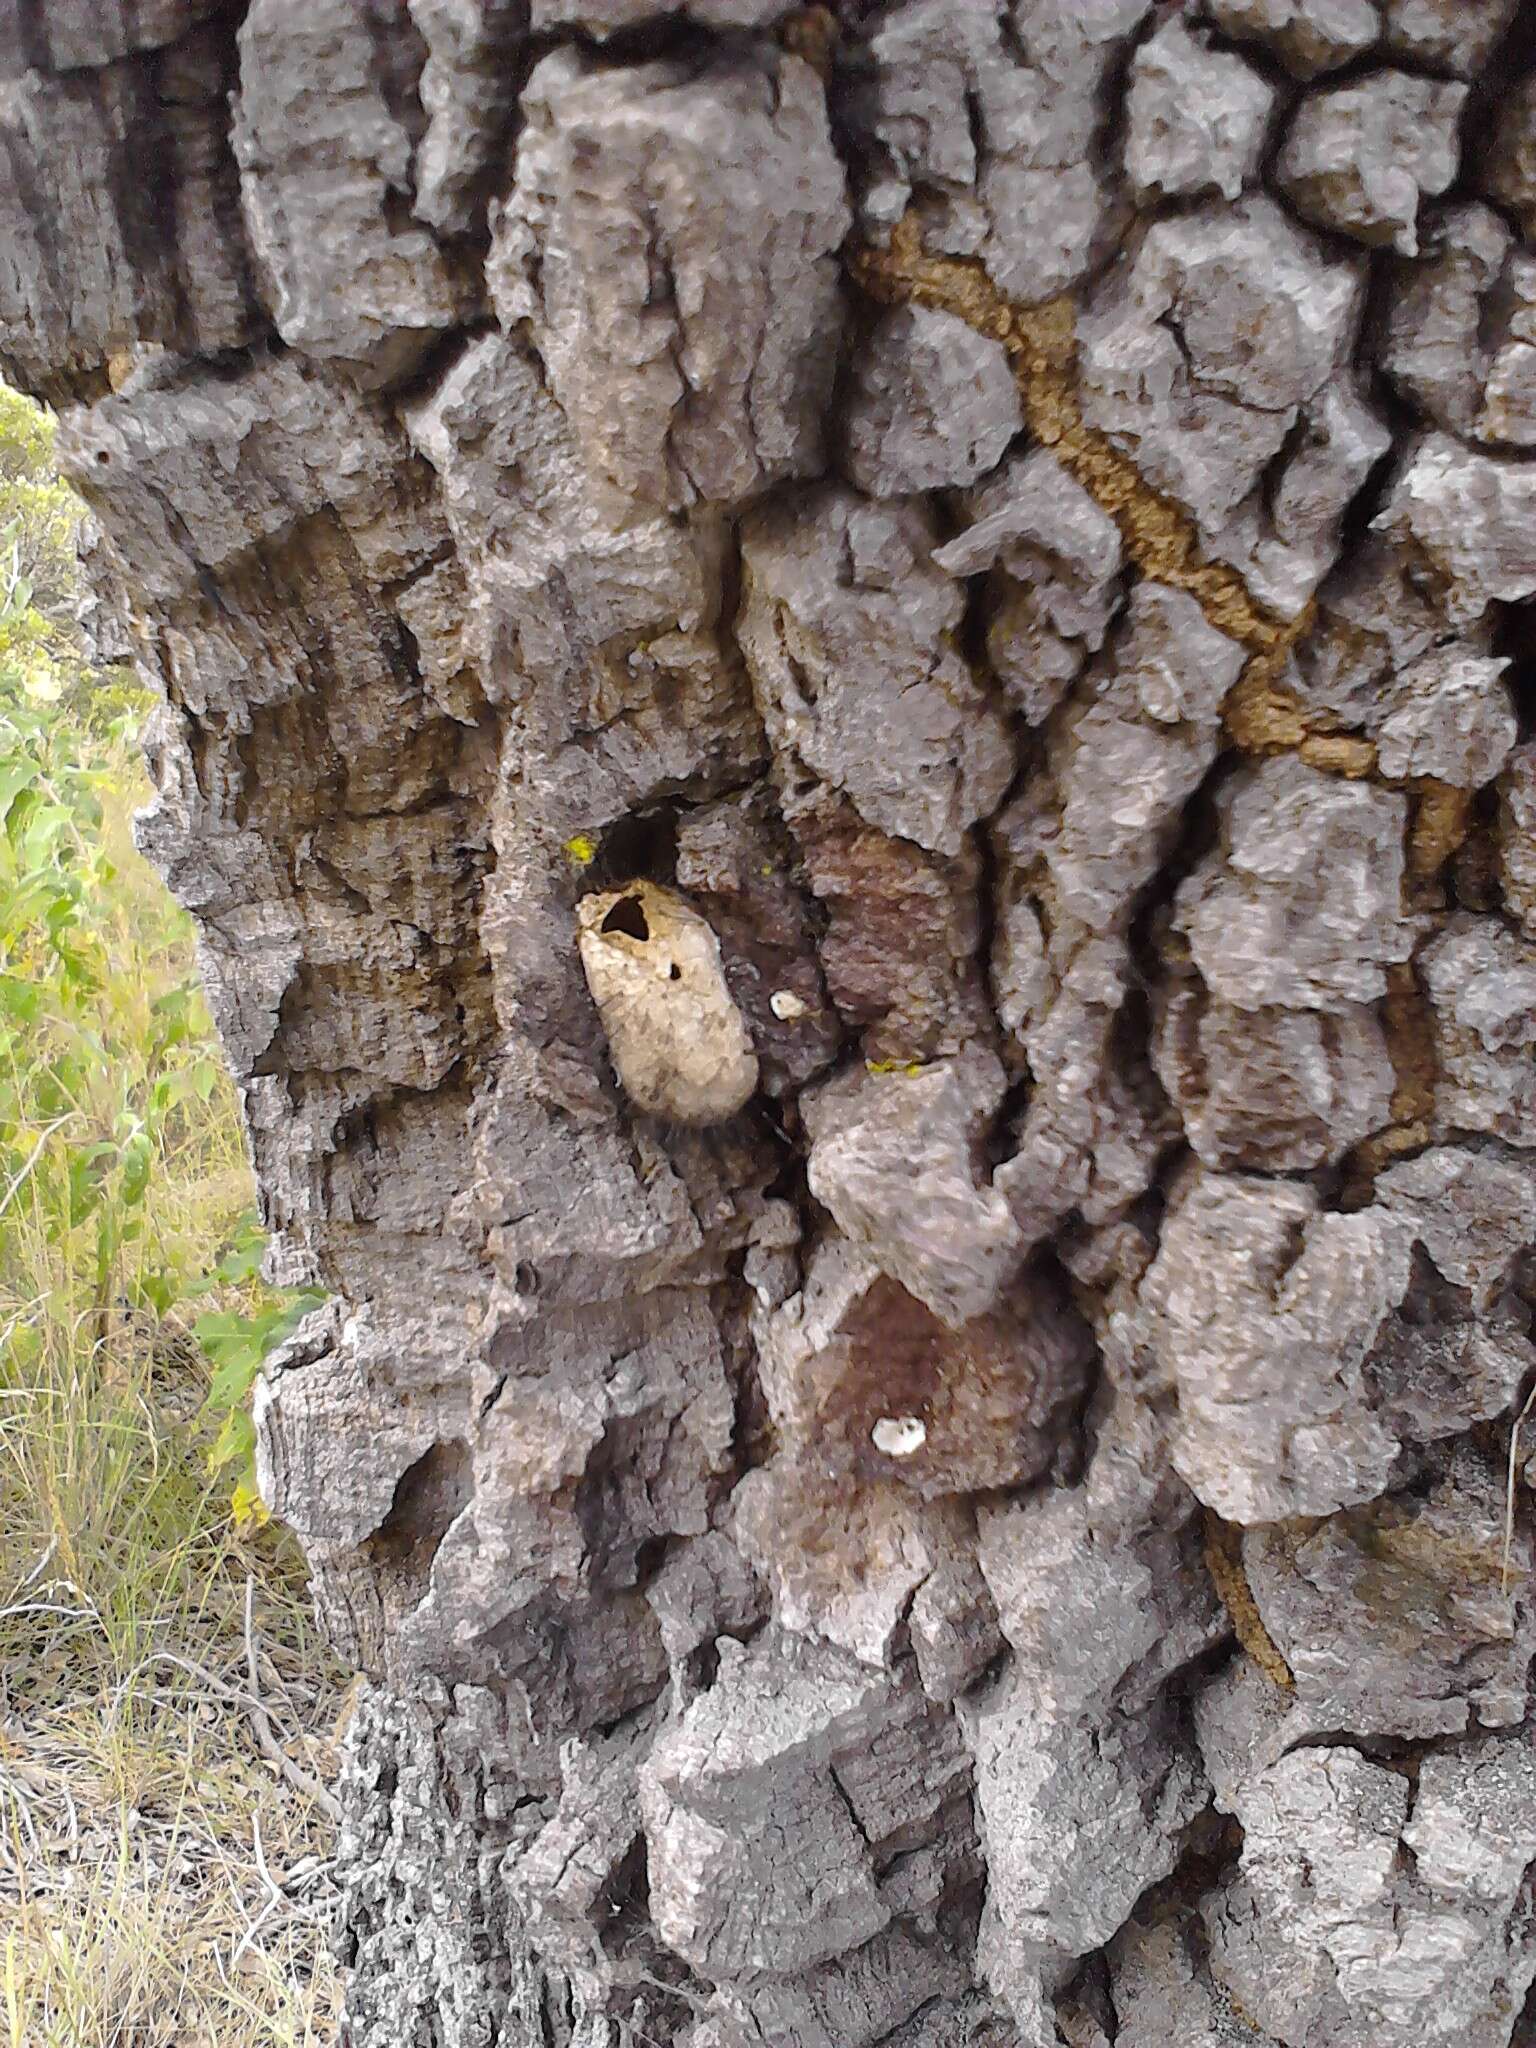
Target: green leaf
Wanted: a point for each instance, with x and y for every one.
(84, 1183)
(157, 1291)
(235, 1344)
(20, 998)
(138, 1154)
(16, 774)
(241, 1262)
(235, 1442)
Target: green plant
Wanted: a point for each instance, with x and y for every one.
(108, 1065)
(95, 1071)
(137, 1589)
(40, 655)
(236, 1341)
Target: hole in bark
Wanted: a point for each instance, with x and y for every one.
(429, 1496)
(628, 916)
(674, 972)
(1515, 639)
(623, 1907)
(1475, 876)
(643, 843)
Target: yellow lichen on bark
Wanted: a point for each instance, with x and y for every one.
(1224, 1562)
(1442, 818)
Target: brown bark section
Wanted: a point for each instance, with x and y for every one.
(846, 704)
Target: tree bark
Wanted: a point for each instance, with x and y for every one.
(846, 702)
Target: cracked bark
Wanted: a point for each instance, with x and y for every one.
(858, 784)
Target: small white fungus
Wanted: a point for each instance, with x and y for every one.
(899, 1435)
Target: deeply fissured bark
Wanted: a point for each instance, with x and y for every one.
(845, 703)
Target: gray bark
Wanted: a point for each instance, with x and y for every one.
(847, 707)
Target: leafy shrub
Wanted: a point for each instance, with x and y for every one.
(121, 1171)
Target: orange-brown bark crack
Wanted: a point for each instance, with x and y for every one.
(1261, 716)
(1224, 1562)
(1159, 537)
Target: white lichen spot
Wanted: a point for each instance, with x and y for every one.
(786, 1005)
(898, 1436)
(680, 1046)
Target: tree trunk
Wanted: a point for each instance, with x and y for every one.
(846, 704)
